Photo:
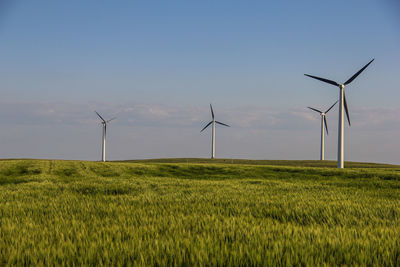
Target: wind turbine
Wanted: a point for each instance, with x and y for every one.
(213, 122)
(323, 122)
(342, 102)
(104, 122)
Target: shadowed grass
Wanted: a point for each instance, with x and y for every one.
(294, 163)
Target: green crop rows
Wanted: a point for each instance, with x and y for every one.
(188, 213)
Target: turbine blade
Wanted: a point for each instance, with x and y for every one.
(331, 107)
(326, 125)
(358, 73)
(323, 79)
(111, 119)
(206, 126)
(100, 116)
(212, 111)
(346, 109)
(315, 109)
(222, 124)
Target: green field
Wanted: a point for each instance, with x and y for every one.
(198, 212)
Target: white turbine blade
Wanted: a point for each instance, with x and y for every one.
(206, 126)
(326, 125)
(100, 116)
(315, 109)
(323, 79)
(346, 109)
(111, 119)
(331, 107)
(212, 111)
(358, 73)
(222, 124)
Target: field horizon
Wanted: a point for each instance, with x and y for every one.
(274, 162)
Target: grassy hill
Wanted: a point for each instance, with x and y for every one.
(186, 211)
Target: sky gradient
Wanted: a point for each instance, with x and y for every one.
(157, 66)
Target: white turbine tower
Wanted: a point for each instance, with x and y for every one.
(213, 122)
(323, 123)
(104, 122)
(342, 102)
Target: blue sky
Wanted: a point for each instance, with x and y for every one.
(157, 65)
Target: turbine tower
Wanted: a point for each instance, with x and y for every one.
(213, 122)
(323, 123)
(104, 122)
(342, 102)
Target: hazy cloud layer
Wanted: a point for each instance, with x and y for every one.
(73, 131)
(159, 115)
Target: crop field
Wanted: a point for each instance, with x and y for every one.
(198, 212)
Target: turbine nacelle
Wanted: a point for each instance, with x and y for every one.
(341, 86)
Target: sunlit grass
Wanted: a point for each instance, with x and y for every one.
(149, 213)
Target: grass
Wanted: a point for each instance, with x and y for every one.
(198, 212)
(296, 163)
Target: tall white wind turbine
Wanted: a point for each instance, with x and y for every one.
(104, 122)
(342, 102)
(213, 122)
(323, 123)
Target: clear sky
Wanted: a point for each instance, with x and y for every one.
(157, 65)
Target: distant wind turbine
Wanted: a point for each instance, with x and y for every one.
(104, 122)
(213, 122)
(323, 123)
(342, 101)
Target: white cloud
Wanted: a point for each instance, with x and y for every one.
(143, 130)
(160, 115)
